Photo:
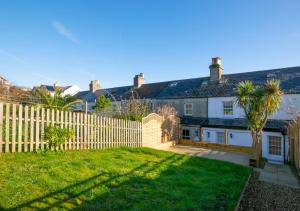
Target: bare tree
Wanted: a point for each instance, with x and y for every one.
(166, 110)
(170, 126)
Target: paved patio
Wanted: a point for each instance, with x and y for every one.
(279, 174)
(233, 157)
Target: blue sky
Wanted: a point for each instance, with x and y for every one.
(73, 42)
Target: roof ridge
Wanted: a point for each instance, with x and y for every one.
(269, 70)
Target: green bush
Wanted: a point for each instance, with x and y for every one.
(57, 136)
(102, 104)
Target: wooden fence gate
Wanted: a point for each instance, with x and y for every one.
(156, 129)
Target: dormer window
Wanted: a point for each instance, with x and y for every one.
(228, 108)
(188, 109)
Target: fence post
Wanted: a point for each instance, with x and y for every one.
(37, 129)
(13, 132)
(42, 128)
(1, 125)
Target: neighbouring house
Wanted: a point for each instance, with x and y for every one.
(66, 90)
(3, 81)
(207, 105)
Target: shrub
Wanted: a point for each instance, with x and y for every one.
(57, 136)
(102, 104)
(134, 109)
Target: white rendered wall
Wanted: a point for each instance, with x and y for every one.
(289, 106)
(244, 138)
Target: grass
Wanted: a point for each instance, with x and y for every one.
(118, 179)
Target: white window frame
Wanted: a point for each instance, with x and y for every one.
(228, 109)
(279, 138)
(185, 109)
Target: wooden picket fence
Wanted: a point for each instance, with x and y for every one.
(23, 128)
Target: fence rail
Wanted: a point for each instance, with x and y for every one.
(23, 129)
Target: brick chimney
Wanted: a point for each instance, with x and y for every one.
(94, 85)
(138, 80)
(216, 69)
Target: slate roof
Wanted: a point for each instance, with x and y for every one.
(51, 88)
(202, 87)
(238, 123)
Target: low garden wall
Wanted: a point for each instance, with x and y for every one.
(226, 147)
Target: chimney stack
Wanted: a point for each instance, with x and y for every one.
(216, 69)
(138, 80)
(94, 85)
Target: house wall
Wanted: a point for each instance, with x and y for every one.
(289, 106)
(244, 138)
(199, 105)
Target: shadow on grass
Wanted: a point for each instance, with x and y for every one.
(57, 198)
(173, 183)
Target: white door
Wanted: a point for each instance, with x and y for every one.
(275, 148)
(220, 138)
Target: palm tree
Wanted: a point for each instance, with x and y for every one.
(258, 103)
(43, 98)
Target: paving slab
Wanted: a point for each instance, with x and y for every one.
(233, 157)
(279, 174)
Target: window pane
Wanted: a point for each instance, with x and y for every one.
(228, 107)
(186, 134)
(188, 109)
(275, 145)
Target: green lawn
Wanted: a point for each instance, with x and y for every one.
(125, 178)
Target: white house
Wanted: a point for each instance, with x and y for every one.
(66, 90)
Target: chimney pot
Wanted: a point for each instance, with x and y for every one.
(138, 80)
(94, 85)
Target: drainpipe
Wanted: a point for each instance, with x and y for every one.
(284, 149)
(284, 133)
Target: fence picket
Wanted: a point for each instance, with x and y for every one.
(37, 129)
(1, 125)
(61, 123)
(105, 132)
(47, 125)
(42, 128)
(81, 132)
(92, 132)
(77, 127)
(98, 132)
(101, 132)
(71, 126)
(13, 128)
(66, 126)
(26, 129)
(7, 118)
(95, 132)
(112, 133)
(31, 129)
